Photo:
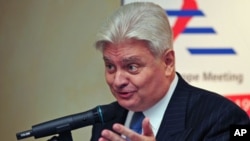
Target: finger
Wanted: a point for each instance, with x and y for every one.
(147, 128)
(108, 135)
(133, 136)
(102, 139)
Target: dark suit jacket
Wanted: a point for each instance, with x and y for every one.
(193, 114)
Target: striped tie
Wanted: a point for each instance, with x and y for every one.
(136, 122)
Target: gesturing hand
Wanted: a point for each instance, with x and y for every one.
(147, 135)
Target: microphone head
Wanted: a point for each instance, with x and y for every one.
(107, 112)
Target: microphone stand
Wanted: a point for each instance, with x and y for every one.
(63, 136)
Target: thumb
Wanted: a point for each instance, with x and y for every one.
(147, 128)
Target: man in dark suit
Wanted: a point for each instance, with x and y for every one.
(137, 47)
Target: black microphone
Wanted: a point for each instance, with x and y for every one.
(99, 114)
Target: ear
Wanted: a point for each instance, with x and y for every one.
(169, 60)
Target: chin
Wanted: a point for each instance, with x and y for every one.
(129, 105)
(126, 104)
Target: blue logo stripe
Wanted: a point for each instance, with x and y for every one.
(199, 30)
(212, 51)
(184, 13)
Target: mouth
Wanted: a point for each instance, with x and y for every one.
(125, 95)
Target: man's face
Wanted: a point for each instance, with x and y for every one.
(136, 78)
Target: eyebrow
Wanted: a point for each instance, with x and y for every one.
(125, 60)
(105, 58)
(131, 59)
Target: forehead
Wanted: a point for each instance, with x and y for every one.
(129, 49)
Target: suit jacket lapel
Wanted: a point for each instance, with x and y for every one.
(174, 119)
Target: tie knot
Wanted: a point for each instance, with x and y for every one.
(136, 122)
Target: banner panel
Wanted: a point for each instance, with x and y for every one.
(210, 40)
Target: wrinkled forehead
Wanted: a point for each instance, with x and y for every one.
(127, 50)
(129, 43)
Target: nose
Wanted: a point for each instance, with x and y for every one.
(120, 80)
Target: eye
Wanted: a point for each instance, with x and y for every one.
(133, 68)
(110, 68)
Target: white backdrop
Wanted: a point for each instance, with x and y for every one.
(211, 44)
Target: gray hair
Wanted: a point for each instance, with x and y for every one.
(141, 21)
